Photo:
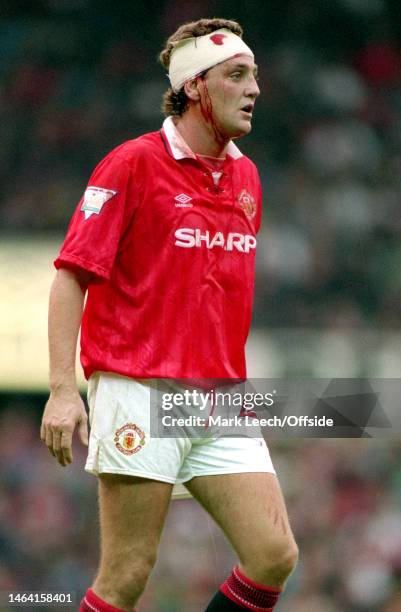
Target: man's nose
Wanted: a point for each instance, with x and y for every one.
(253, 88)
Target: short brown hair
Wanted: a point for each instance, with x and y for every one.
(176, 103)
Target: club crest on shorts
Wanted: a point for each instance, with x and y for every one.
(94, 199)
(129, 439)
(247, 203)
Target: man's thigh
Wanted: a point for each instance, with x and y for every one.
(132, 515)
(249, 508)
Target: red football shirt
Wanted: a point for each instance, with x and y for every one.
(172, 246)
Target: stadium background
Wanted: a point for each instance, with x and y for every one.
(77, 77)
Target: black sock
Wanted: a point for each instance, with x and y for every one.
(221, 603)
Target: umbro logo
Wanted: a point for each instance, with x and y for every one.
(183, 201)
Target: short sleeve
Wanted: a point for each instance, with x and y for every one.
(99, 220)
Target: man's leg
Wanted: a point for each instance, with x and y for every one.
(250, 509)
(132, 515)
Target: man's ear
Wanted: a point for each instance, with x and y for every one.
(191, 90)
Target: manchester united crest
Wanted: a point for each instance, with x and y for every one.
(129, 439)
(247, 203)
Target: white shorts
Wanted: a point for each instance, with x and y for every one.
(120, 440)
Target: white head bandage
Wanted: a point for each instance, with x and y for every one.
(192, 56)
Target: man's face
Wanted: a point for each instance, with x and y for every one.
(232, 89)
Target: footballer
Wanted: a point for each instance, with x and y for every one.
(162, 246)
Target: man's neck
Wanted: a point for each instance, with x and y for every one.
(200, 136)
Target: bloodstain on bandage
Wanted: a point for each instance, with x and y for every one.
(217, 39)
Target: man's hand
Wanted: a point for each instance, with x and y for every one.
(63, 411)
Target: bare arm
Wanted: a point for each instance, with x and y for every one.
(65, 408)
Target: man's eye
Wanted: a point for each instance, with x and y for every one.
(235, 75)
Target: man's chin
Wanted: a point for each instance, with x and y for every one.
(241, 130)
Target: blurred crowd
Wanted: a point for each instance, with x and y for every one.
(344, 500)
(79, 77)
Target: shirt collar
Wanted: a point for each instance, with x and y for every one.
(180, 149)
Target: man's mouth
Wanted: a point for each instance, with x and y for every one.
(248, 108)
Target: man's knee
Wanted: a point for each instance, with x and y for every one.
(272, 562)
(125, 578)
(131, 583)
(284, 563)
(134, 574)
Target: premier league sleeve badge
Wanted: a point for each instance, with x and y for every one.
(94, 200)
